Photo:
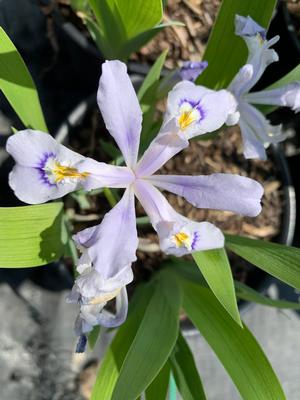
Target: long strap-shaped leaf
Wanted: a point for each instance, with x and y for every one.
(236, 348)
(185, 372)
(116, 352)
(154, 340)
(18, 86)
(159, 387)
(279, 260)
(245, 292)
(225, 51)
(215, 268)
(31, 235)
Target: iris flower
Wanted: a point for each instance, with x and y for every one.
(255, 128)
(47, 170)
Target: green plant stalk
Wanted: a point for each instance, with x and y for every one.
(110, 197)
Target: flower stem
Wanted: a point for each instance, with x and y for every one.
(110, 197)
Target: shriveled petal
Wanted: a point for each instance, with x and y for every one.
(166, 144)
(194, 109)
(260, 53)
(105, 175)
(110, 320)
(44, 169)
(190, 70)
(113, 243)
(120, 109)
(177, 235)
(286, 96)
(91, 315)
(217, 191)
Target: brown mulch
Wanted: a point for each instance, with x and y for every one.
(184, 43)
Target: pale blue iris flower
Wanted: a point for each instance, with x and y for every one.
(47, 170)
(256, 130)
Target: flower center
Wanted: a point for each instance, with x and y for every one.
(54, 172)
(189, 113)
(182, 239)
(185, 119)
(61, 172)
(260, 38)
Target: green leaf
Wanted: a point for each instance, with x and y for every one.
(154, 340)
(18, 86)
(116, 352)
(80, 5)
(146, 93)
(99, 38)
(147, 96)
(31, 235)
(236, 348)
(215, 268)
(159, 387)
(111, 33)
(139, 15)
(110, 149)
(226, 52)
(292, 76)
(185, 371)
(244, 292)
(135, 43)
(93, 336)
(122, 27)
(279, 260)
(185, 269)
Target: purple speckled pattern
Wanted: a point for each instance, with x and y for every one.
(195, 240)
(41, 168)
(196, 105)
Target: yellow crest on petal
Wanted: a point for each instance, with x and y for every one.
(182, 239)
(186, 118)
(61, 172)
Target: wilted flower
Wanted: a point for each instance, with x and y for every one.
(255, 128)
(47, 170)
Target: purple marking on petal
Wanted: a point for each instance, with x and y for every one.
(195, 240)
(196, 105)
(41, 167)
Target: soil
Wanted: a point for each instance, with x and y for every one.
(183, 43)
